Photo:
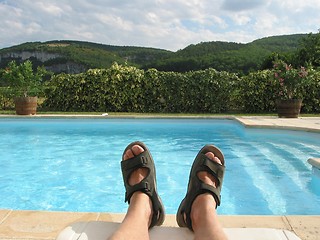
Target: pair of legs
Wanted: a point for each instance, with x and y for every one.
(203, 214)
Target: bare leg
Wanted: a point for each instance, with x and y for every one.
(204, 217)
(137, 220)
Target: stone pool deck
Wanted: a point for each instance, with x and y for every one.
(310, 124)
(39, 225)
(42, 225)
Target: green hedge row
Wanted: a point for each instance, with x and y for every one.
(128, 89)
(257, 92)
(311, 99)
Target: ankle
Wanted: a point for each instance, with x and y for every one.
(142, 204)
(203, 207)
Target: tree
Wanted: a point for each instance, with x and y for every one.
(309, 51)
(22, 78)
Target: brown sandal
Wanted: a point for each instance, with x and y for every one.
(147, 185)
(197, 187)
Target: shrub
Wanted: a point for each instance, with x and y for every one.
(311, 100)
(128, 89)
(258, 92)
(22, 79)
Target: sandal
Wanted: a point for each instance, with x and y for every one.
(147, 185)
(197, 187)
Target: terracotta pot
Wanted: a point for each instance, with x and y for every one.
(289, 108)
(26, 105)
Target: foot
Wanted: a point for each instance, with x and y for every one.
(139, 174)
(136, 177)
(204, 203)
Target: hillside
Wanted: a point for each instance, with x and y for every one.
(224, 56)
(78, 56)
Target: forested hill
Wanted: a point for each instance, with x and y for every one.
(232, 57)
(78, 56)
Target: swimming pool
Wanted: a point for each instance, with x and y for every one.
(73, 164)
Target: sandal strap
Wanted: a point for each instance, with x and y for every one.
(216, 170)
(140, 161)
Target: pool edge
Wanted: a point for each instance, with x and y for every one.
(34, 225)
(309, 124)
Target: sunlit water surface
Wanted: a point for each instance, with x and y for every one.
(74, 164)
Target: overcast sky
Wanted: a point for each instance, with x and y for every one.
(165, 24)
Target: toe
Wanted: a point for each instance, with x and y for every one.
(128, 154)
(211, 156)
(134, 151)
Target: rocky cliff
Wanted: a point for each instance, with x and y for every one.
(54, 62)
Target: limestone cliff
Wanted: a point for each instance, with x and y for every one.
(54, 62)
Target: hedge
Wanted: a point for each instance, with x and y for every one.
(311, 100)
(128, 89)
(257, 92)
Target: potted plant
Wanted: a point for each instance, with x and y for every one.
(290, 82)
(25, 84)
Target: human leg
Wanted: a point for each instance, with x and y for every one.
(145, 207)
(205, 222)
(197, 211)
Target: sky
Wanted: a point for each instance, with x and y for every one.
(164, 24)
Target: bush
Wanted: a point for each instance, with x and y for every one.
(22, 79)
(128, 89)
(258, 92)
(311, 100)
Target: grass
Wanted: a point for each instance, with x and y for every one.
(12, 112)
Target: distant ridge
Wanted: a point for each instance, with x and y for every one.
(78, 56)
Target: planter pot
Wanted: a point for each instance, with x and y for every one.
(289, 108)
(26, 105)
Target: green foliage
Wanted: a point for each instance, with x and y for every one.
(123, 88)
(309, 51)
(86, 54)
(128, 89)
(6, 98)
(22, 79)
(291, 81)
(115, 89)
(222, 56)
(257, 92)
(311, 100)
(185, 82)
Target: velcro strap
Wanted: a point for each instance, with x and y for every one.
(142, 186)
(215, 192)
(136, 162)
(214, 168)
(128, 166)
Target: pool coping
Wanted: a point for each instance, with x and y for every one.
(40, 225)
(46, 225)
(309, 124)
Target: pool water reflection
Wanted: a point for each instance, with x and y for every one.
(73, 164)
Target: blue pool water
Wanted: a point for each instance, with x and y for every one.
(73, 164)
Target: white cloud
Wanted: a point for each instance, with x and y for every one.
(240, 5)
(49, 8)
(240, 19)
(167, 24)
